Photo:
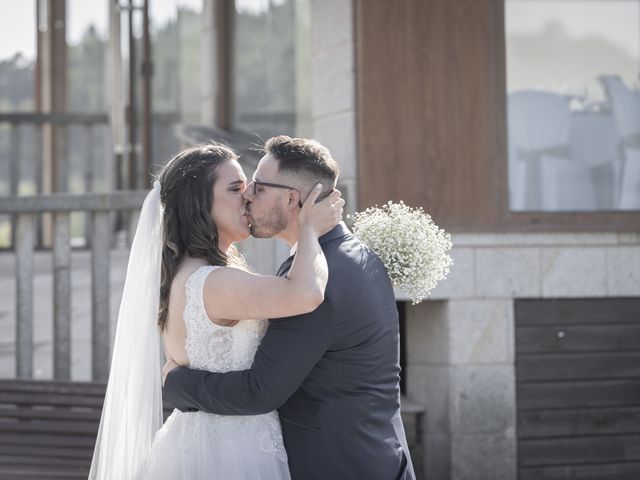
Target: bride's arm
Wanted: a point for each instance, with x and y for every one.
(235, 294)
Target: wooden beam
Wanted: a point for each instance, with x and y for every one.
(56, 118)
(62, 296)
(147, 75)
(100, 272)
(24, 295)
(66, 202)
(223, 16)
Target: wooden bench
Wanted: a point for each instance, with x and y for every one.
(48, 428)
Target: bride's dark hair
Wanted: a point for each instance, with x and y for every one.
(186, 192)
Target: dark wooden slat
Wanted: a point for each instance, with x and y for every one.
(579, 450)
(76, 441)
(46, 451)
(578, 394)
(62, 414)
(616, 471)
(43, 472)
(586, 338)
(45, 386)
(64, 427)
(577, 311)
(52, 462)
(16, 474)
(577, 366)
(50, 399)
(565, 423)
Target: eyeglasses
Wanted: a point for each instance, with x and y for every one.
(273, 185)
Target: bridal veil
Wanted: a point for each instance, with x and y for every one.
(132, 411)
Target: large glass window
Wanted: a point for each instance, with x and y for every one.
(271, 67)
(17, 67)
(177, 50)
(573, 104)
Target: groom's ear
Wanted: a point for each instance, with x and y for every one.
(294, 200)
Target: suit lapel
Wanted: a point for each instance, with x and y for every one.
(284, 268)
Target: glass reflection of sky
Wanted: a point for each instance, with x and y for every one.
(615, 20)
(564, 45)
(17, 29)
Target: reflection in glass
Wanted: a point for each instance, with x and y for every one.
(573, 104)
(177, 48)
(271, 62)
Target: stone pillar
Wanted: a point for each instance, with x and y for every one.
(460, 357)
(333, 88)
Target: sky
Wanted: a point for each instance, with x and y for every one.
(17, 29)
(618, 20)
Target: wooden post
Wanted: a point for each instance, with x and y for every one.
(89, 173)
(57, 26)
(14, 172)
(147, 72)
(132, 110)
(62, 296)
(223, 17)
(24, 295)
(38, 135)
(100, 295)
(52, 97)
(111, 174)
(14, 158)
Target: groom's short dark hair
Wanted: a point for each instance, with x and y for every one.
(305, 158)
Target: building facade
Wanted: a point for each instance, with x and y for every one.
(523, 359)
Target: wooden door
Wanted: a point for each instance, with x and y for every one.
(578, 388)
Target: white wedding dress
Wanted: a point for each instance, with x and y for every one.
(199, 445)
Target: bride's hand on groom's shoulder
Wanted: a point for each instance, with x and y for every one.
(323, 215)
(168, 366)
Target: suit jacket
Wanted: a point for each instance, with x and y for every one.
(333, 375)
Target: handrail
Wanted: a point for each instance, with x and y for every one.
(67, 202)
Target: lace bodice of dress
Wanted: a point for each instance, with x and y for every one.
(198, 445)
(213, 347)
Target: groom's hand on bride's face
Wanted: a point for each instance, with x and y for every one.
(170, 365)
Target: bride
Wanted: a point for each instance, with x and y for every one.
(183, 248)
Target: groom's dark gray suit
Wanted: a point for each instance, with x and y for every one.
(332, 374)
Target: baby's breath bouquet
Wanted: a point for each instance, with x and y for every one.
(412, 248)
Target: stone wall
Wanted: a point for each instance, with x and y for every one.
(333, 88)
(461, 342)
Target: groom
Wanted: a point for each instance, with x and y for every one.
(332, 374)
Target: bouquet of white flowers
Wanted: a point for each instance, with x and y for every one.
(412, 248)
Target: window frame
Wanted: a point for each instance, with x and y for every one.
(626, 220)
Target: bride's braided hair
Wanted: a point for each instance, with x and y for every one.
(186, 192)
